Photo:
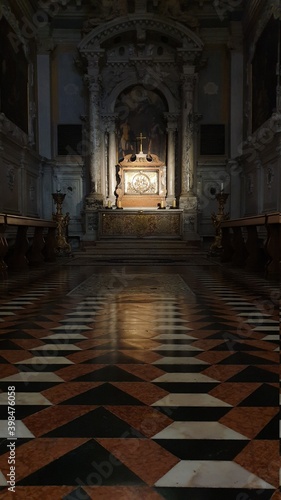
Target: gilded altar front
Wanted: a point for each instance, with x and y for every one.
(140, 223)
(141, 181)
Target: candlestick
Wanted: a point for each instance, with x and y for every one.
(62, 221)
(162, 204)
(109, 204)
(217, 219)
(174, 204)
(221, 187)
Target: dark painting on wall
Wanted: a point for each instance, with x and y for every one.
(13, 78)
(141, 111)
(264, 80)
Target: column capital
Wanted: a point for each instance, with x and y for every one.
(93, 84)
(235, 41)
(188, 81)
(172, 121)
(109, 121)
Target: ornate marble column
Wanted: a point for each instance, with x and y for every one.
(187, 166)
(111, 156)
(188, 200)
(94, 149)
(172, 122)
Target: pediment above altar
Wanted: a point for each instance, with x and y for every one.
(141, 160)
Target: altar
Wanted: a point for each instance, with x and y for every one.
(140, 223)
(141, 181)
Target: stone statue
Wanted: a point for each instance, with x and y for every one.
(111, 8)
(170, 8)
(105, 10)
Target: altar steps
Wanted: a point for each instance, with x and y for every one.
(142, 251)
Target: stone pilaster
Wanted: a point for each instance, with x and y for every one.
(94, 157)
(111, 119)
(188, 200)
(187, 166)
(172, 124)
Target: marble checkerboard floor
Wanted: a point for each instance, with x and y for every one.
(169, 390)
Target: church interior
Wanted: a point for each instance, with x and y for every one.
(140, 249)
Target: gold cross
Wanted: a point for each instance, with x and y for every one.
(140, 138)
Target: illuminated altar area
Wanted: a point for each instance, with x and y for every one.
(142, 182)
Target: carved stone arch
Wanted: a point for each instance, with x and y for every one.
(163, 89)
(185, 37)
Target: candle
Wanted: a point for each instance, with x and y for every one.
(119, 204)
(162, 204)
(109, 204)
(174, 203)
(221, 186)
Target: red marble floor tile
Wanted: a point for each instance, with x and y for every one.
(276, 495)
(197, 325)
(79, 357)
(55, 416)
(38, 334)
(13, 356)
(147, 420)
(270, 356)
(145, 371)
(145, 458)
(248, 421)
(28, 343)
(208, 344)
(144, 391)
(129, 333)
(37, 492)
(68, 390)
(145, 356)
(39, 452)
(214, 357)
(90, 343)
(261, 344)
(271, 368)
(7, 370)
(71, 372)
(223, 372)
(121, 493)
(10, 323)
(274, 385)
(201, 334)
(47, 325)
(261, 457)
(142, 344)
(233, 393)
(4, 332)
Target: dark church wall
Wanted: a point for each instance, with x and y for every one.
(264, 78)
(13, 78)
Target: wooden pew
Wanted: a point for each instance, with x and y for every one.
(3, 243)
(41, 248)
(243, 247)
(273, 243)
